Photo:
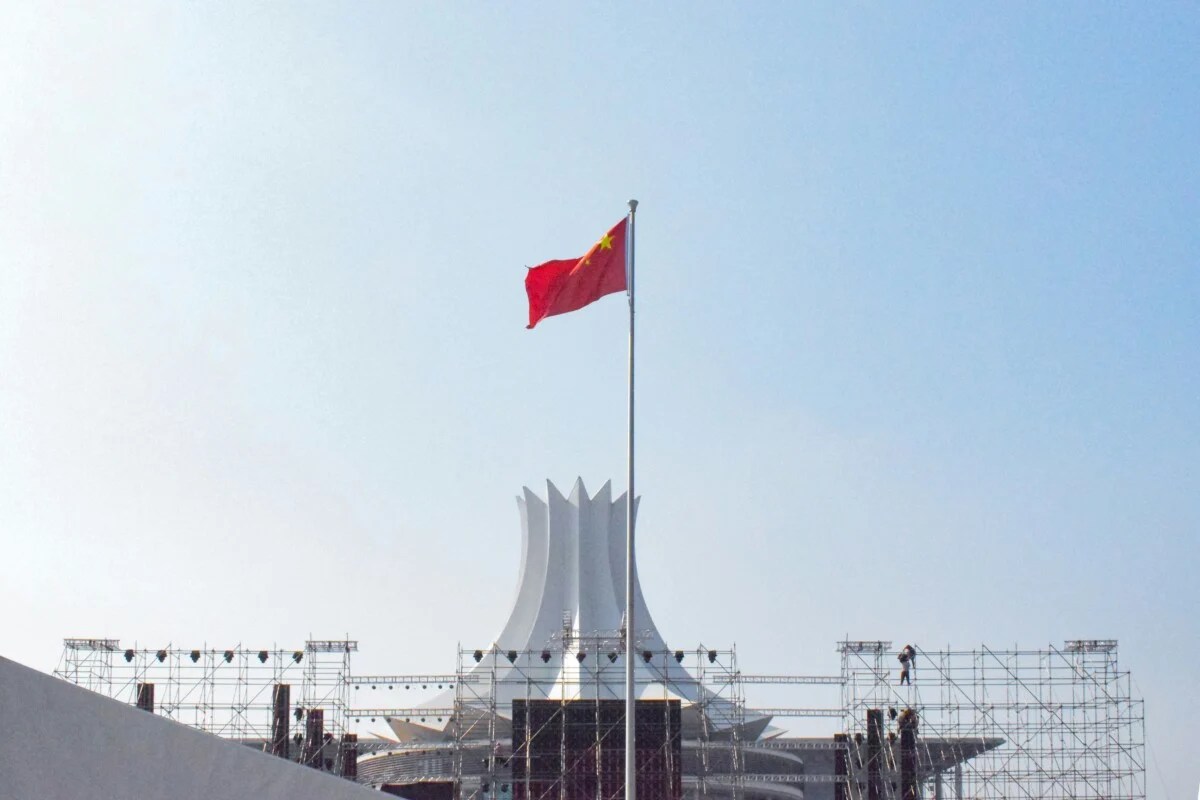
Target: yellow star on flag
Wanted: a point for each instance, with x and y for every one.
(605, 242)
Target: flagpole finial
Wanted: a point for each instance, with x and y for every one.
(633, 205)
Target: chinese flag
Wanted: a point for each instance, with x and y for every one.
(557, 287)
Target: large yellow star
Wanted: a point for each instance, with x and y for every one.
(605, 243)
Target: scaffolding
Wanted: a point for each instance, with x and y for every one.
(88, 663)
(571, 694)
(238, 693)
(722, 718)
(1059, 722)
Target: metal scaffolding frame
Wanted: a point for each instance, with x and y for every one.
(1058, 722)
(576, 668)
(720, 712)
(88, 663)
(229, 692)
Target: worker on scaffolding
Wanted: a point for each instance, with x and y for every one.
(908, 663)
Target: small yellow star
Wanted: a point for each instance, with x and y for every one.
(605, 242)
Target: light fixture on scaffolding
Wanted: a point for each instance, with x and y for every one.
(296, 656)
(678, 656)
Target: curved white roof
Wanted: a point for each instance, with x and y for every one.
(570, 601)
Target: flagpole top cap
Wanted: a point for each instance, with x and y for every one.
(633, 205)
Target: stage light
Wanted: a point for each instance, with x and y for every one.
(512, 656)
(647, 655)
(678, 656)
(128, 656)
(296, 656)
(228, 656)
(161, 655)
(891, 713)
(372, 687)
(299, 737)
(299, 712)
(262, 656)
(389, 688)
(580, 656)
(478, 656)
(406, 686)
(195, 656)
(712, 656)
(545, 656)
(612, 658)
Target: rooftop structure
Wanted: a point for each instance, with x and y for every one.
(537, 714)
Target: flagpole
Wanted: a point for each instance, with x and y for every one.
(630, 627)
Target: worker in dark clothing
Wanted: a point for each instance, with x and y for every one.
(908, 663)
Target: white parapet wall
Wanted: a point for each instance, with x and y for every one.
(61, 742)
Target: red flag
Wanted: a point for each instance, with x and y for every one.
(557, 287)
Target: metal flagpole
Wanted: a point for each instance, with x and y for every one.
(630, 627)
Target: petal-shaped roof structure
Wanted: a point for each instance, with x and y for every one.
(564, 638)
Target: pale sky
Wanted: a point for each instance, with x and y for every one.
(919, 324)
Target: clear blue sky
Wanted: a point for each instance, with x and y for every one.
(920, 323)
